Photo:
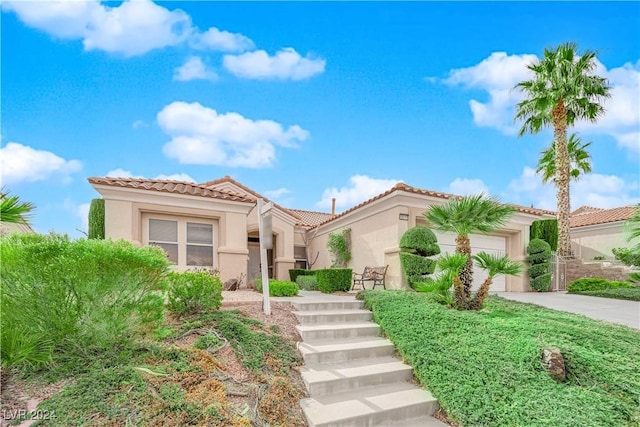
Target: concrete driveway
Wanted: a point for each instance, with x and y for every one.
(610, 310)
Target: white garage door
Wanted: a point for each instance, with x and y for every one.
(479, 243)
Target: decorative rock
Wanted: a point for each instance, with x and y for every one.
(554, 362)
(231, 285)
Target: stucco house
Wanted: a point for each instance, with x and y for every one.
(215, 224)
(595, 231)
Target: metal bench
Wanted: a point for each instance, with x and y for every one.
(370, 274)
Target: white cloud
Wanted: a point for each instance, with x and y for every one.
(276, 194)
(287, 64)
(465, 186)
(138, 124)
(598, 190)
(200, 135)
(132, 28)
(21, 163)
(218, 40)
(194, 69)
(82, 212)
(122, 173)
(499, 73)
(359, 189)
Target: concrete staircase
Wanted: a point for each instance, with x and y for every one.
(350, 371)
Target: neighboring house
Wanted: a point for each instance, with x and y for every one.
(11, 227)
(215, 224)
(595, 231)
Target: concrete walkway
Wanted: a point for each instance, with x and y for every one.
(611, 310)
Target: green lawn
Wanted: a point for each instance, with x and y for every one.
(629, 294)
(485, 368)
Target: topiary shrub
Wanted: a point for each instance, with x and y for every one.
(538, 256)
(295, 272)
(96, 219)
(193, 292)
(334, 279)
(596, 284)
(308, 283)
(417, 244)
(416, 268)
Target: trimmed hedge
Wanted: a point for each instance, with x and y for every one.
(334, 279)
(596, 284)
(538, 270)
(541, 283)
(618, 293)
(308, 283)
(416, 267)
(295, 272)
(96, 219)
(421, 241)
(279, 288)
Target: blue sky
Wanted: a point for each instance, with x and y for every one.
(301, 101)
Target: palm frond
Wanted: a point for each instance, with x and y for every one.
(498, 265)
(13, 210)
(469, 214)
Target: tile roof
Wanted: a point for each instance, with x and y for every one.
(401, 186)
(311, 218)
(176, 187)
(585, 209)
(228, 179)
(602, 216)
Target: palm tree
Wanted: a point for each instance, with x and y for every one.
(464, 216)
(12, 210)
(494, 265)
(563, 89)
(579, 159)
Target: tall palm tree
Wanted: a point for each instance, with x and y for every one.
(579, 159)
(563, 90)
(464, 216)
(12, 210)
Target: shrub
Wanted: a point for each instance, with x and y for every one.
(308, 283)
(547, 230)
(539, 255)
(334, 279)
(538, 270)
(421, 241)
(295, 272)
(595, 284)
(627, 256)
(96, 219)
(619, 293)
(193, 292)
(279, 288)
(63, 300)
(541, 283)
(416, 268)
(417, 244)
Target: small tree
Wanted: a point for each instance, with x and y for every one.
(417, 244)
(339, 245)
(538, 257)
(96, 219)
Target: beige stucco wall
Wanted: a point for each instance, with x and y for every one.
(126, 212)
(283, 227)
(598, 240)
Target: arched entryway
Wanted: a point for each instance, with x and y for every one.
(253, 269)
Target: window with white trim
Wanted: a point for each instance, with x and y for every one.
(187, 243)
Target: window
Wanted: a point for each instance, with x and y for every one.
(300, 255)
(199, 244)
(164, 233)
(187, 243)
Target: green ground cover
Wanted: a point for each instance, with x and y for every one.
(485, 367)
(632, 294)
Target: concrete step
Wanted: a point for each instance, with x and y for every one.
(350, 376)
(345, 350)
(311, 333)
(332, 316)
(382, 405)
(328, 305)
(415, 422)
